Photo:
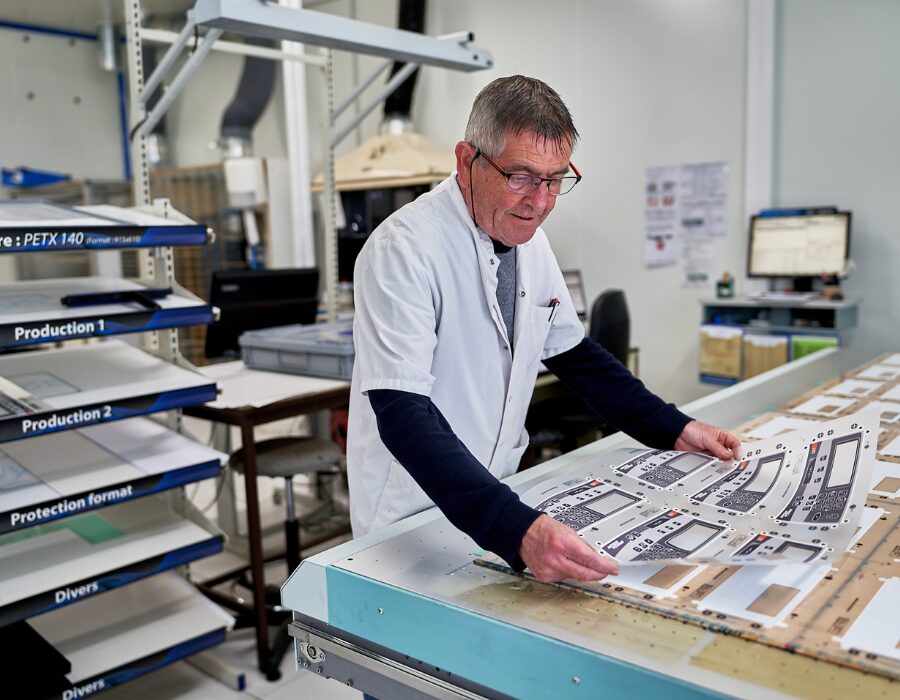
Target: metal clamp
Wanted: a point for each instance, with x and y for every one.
(311, 652)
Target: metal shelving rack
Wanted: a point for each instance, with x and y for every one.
(64, 456)
(270, 20)
(280, 23)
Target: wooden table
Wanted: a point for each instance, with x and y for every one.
(248, 398)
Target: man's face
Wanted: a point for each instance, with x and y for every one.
(505, 216)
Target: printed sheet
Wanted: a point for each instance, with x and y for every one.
(795, 497)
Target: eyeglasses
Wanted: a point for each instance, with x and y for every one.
(522, 183)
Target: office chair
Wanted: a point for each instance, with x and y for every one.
(287, 457)
(610, 323)
(564, 420)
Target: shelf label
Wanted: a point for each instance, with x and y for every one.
(67, 595)
(81, 691)
(23, 239)
(94, 499)
(51, 331)
(69, 419)
(43, 240)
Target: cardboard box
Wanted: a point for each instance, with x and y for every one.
(720, 351)
(763, 352)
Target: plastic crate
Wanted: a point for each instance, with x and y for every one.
(318, 350)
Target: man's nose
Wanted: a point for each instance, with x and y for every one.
(540, 198)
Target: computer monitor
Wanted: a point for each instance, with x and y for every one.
(575, 285)
(252, 299)
(799, 246)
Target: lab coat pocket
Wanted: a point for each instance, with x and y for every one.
(515, 454)
(400, 497)
(534, 333)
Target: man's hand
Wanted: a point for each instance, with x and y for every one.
(555, 552)
(702, 437)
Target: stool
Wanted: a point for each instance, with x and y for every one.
(285, 458)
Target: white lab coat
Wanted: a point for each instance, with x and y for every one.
(427, 322)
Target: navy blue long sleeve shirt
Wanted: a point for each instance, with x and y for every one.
(474, 500)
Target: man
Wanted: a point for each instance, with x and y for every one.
(458, 299)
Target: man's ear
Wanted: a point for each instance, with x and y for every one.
(465, 152)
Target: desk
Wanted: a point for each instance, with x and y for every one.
(819, 318)
(405, 607)
(249, 398)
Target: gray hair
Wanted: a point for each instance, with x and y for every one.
(518, 104)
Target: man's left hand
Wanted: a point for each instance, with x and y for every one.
(703, 437)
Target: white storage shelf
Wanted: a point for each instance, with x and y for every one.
(52, 390)
(32, 226)
(35, 312)
(60, 563)
(131, 631)
(75, 505)
(64, 474)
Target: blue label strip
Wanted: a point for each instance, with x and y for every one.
(146, 486)
(20, 240)
(137, 322)
(15, 428)
(46, 601)
(152, 662)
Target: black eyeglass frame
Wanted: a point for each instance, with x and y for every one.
(540, 180)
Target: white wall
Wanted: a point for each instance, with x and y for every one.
(836, 138)
(195, 117)
(58, 109)
(648, 83)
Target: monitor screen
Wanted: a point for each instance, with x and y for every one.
(798, 246)
(252, 299)
(575, 286)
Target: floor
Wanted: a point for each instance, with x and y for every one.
(184, 679)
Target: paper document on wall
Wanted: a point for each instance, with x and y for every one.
(704, 198)
(794, 497)
(661, 217)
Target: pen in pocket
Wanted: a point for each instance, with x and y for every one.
(554, 302)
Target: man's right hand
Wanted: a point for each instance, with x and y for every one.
(555, 552)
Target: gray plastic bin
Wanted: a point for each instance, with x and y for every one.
(319, 350)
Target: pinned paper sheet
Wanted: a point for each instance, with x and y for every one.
(827, 406)
(890, 411)
(780, 425)
(892, 394)
(764, 594)
(892, 449)
(880, 372)
(877, 629)
(885, 479)
(854, 387)
(658, 580)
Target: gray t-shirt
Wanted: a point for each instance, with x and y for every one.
(506, 286)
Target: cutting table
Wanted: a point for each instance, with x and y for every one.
(408, 612)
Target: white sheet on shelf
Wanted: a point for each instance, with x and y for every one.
(40, 300)
(48, 557)
(76, 461)
(110, 630)
(95, 374)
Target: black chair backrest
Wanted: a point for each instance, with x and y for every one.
(610, 324)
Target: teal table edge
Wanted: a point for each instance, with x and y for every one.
(495, 654)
